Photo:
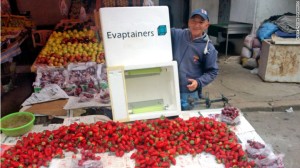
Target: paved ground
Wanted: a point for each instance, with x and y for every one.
(281, 130)
(249, 92)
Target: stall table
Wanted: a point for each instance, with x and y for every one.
(244, 132)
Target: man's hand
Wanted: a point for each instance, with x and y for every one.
(193, 84)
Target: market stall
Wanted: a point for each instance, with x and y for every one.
(14, 30)
(73, 59)
(139, 81)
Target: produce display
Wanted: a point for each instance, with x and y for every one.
(82, 78)
(230, 115)
(157, 143)
(10, 32)
(50, 75)
(104, 91)
(16, 21)
(12, 28)
(136, 3)
(263, 155)
(75, 25)
(71, 46)
(4, 20)
(109, 3)
(122, 3)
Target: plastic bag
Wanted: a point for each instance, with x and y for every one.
(255, 53)
(256, 43)
(82, 73)
(246, 52)
(104, 96)
(266, 30)
(82, 15)
(82, 78)
(230, 121)
(263, 155)
(87, 164)
(85, 97)
(50, 75)
(63, 8)
(230, 115)
(271, 161)
(148, 3)
(248, 41)
(249, 63)
(256, 149)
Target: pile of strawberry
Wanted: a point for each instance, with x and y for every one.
(157, 141)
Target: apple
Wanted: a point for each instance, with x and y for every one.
(78, 57)
(84, 59)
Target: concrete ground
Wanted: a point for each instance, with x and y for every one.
(248, 91)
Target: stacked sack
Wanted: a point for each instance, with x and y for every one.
(250, 52)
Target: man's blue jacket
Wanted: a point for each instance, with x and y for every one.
(193, 62)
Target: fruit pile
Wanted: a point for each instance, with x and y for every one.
(82, 78)
(263, 155)
(136, 3)
(109, 3)
(50, 76)
(230, 115)
(157, 142)
(71, 46)
(16, 21)
(11, 31)
(61, 27)
(122, 3)
(86, 156)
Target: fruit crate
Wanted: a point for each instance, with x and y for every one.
(69, 46)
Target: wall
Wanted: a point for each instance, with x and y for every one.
(211, 6)
(179, 12)
(224, 11)
(268, 8)
(264, 10)
(43, 12)
(156, 2)
(242, 11)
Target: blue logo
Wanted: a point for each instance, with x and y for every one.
(162, 30)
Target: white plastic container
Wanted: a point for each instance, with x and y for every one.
(143, 79)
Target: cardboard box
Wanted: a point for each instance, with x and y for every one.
(53, 108)
(279, 63)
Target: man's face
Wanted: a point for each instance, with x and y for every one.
(197, 25)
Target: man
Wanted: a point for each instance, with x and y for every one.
(196, 57)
